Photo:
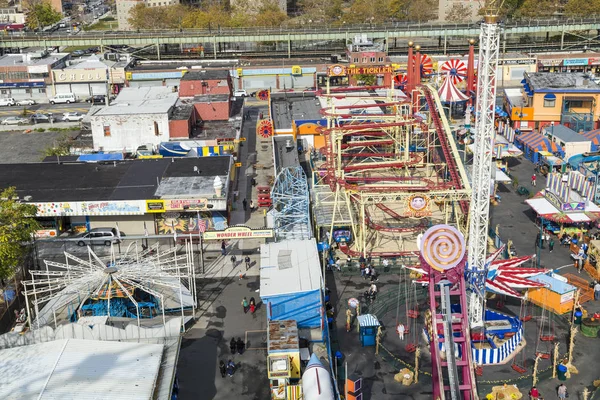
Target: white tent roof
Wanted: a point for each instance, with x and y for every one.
(80, 369)
(290, 266)
(542, 206)
(449, 93)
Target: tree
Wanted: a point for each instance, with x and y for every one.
(17, 225)
(458, 13)
(577, 8)
(269, 14)
(536, 9)
(61, 147)
(40, 14)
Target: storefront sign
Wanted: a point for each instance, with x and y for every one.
(133, 207)
(521, 61)
(80, 75)
(238, 232)
(22, 84)
(185, 204)
(45, 233)
(155, 206)
(553, 199)
(573, 207)
(594, 61)
(575, 61)
(336, 70)
(140, 76)
(370, 70)
(549, 63)
(37, 69)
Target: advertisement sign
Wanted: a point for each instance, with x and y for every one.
(37, 69)
(238, 232)
(370, 70)
(417, 206)
(553, 199)
(121, 207)
(574, 206)
(575, 61)
(22, 84)
(45, 233)
(185, 204)
(336, 70)
(520, 61)
(566, 296)
(155, 206)
(80, 75)
(136, 76)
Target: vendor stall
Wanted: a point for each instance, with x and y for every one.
(556, 296)
(550, 163)
(368, 325)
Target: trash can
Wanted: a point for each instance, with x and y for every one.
(562, 372)
(339, 357)
(578, 316)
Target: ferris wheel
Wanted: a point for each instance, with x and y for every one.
(137, 284)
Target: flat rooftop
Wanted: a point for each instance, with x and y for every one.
(285, 156)
(11, 60)
(564, 82)
(206, 75)
(565, 134)
(515, 97)
(75, 368)
(141, 100)
(288, 267)
(121, 180)
(288, 107)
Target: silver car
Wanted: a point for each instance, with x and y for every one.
(100, 236)
(26, 102)
(14, 121)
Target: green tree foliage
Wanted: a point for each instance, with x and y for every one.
(61, 147)
(582, 8)
(458, 13)
(536, 9)
(40, 14)
(16, 228)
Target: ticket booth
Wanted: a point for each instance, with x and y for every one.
(368, 325)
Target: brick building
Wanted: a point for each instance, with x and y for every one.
(209, 91)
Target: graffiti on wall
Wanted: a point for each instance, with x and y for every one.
(183, 223)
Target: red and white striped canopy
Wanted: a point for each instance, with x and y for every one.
(449, 93)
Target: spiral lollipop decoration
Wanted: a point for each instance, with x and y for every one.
(263, 95)
(443, 247)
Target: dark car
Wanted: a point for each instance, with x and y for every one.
(40, 118)
(93, 50)
(78, 53)
(96, 99)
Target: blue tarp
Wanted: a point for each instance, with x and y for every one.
(173, 149)
(100, 157)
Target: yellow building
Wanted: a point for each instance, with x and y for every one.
(570, 99)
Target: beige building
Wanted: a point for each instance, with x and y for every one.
(125, 6)
(472, 6)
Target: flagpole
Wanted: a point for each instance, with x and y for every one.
(200, 242)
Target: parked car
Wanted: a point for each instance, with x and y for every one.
(14, 121)
(41, 118)
(25, 102)
(77, 53)
(96, 99)
(72, 117)
(8, 101)
(240, 93)
(100, 236)
(63, 98)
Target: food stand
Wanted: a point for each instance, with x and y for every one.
(556, 296)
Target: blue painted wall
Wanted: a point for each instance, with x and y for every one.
(304, 308)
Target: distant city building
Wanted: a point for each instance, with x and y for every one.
(28, 75)
(140, 116)
(125, 6)
(11, 15)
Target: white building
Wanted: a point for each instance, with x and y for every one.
(138, 116)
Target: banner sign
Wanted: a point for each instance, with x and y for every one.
(185, 204)
(121, 207)
(238, 232)
(370, 70)
(155, 206)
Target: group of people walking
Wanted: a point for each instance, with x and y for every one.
(249, 305)
(236, 346)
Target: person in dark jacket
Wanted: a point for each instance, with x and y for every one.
(240, 346)
(232, 345)
(222, 368)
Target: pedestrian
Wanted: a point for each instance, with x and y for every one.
(245, 305)
(373, 274)
(542, 237)
(252, 307)
(362, 270)
(385, 263)
(562, 392)
(400, 329)
(597, 291)
(230, 368)
(245, 204)
(247, 261)
(252, 206)
(348, 320)
(533, 179)
(222, 368)
(232, 346)
(260, 116)
(233, 260)
(240, 346)
(534, 394)
(551, 245)
(223, 247)
(367, 272)
(547, 237)
(361, 261)
(338, 264)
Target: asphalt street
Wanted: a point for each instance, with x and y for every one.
(45, 108)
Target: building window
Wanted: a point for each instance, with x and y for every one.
(549, 103)
(364, 60)
(575, 104)
(355, 59)
(28, 91)
(156, 131)
(380, 59)
(42, 90)
(106, 131)
(372, 59)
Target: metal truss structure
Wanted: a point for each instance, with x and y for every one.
(60, 290)
(489, 45)
(382, 153)
(291, 204)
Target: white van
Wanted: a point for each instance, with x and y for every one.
(63, 98)
(8, 101)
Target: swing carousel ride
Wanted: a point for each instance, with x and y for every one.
(138, 286)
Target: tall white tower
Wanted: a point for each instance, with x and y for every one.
(489, 45)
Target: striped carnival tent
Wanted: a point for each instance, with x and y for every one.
(449, 93)
(594, 136)
(532, 143)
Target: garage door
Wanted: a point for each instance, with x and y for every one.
(98, 88)
(80, 90)
(304, 81)
(63, 89)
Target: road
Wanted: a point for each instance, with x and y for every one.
(45, 108)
